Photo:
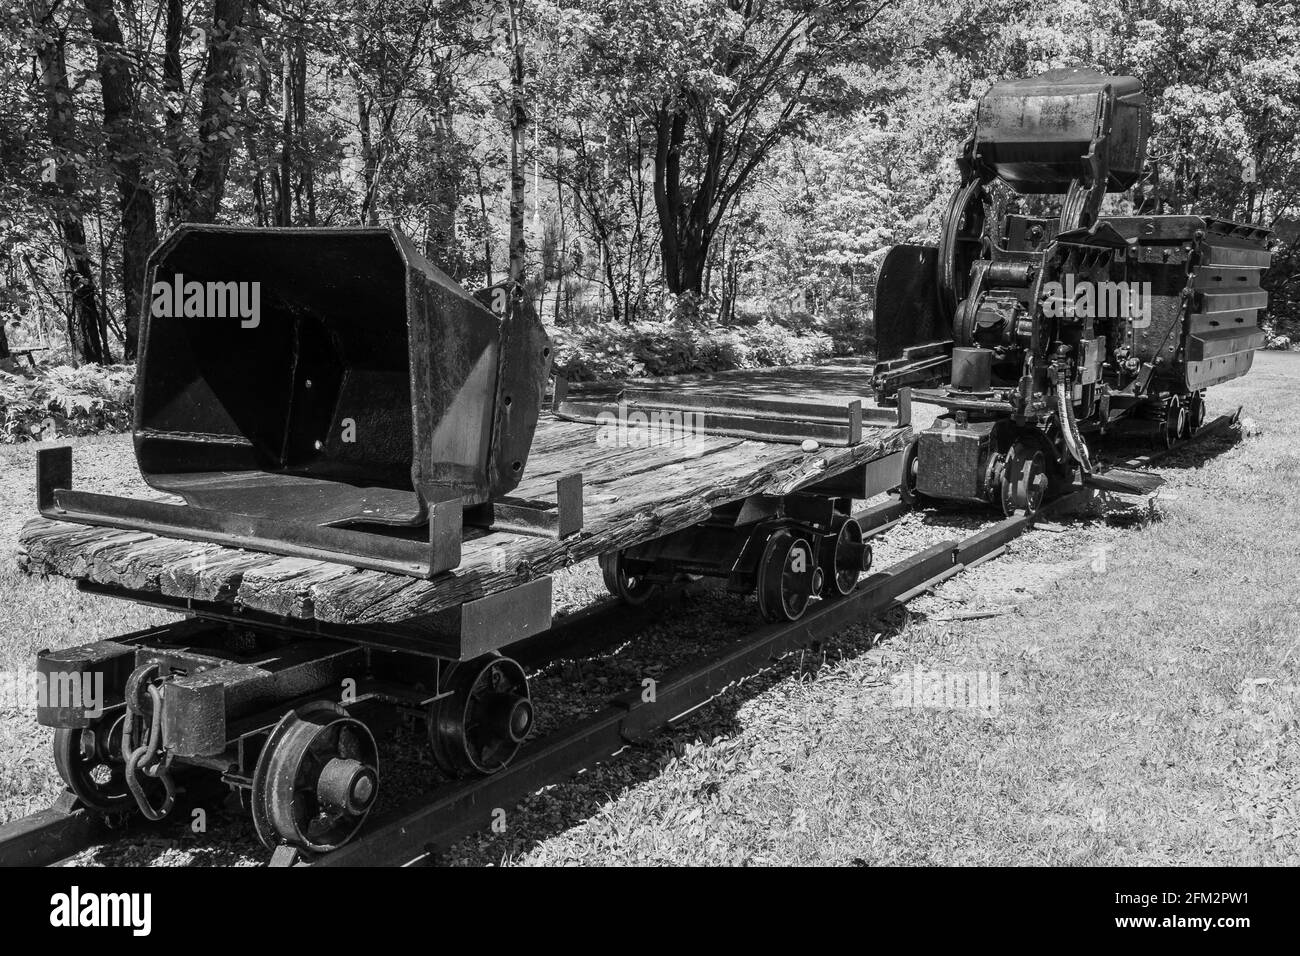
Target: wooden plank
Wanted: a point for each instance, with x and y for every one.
(632, 494)
(295, 596)
(650, 510)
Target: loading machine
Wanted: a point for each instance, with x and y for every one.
(1038, 332)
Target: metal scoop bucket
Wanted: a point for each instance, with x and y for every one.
(297, 385)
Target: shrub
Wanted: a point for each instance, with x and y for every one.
(53, 401)
(1276, 335)
(668, 346)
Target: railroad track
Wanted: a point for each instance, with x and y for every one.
(420, 828)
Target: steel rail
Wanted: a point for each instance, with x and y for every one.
(67, 827)
(433, 821)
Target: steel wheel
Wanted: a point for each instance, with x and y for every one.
(92, 766)
(1195, 413)
(629, 588)
(481, 724)
(316, 779)
(843, 557)
(787, 577)
(1174, 424)
(907, 482)
(1024, 481)
(961, 242)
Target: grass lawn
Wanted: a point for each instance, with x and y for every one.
(1146, 672)
(36, 614)
(1147, 687)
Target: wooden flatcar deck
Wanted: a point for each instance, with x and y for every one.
(632, 493)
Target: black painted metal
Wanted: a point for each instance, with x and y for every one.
(1062, 325)
(907, 309)
(436, 551)
(538, 518)
(354, 325)
(1035, 133)
(320, 393)
(50, 835)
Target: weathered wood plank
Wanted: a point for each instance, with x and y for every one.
(648, 510)
(294, 596)
(630, 493)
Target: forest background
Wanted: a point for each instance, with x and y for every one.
(678, 184)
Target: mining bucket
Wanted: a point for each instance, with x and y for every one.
(326, 392)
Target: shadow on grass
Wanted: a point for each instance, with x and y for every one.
(1196, 453)
(567, 805)
(704, 624)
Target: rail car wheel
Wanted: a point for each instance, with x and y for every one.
(907, 483)
(1024, 480)
(627, 587)
(961, 242)
(788, 576)
(316, 779)
(1195, 413)
(480, 725)
(90, 762)
(1173, 425)
(843, 557)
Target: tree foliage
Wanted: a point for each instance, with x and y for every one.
(726, 163)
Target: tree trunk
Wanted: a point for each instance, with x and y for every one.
(369, 163)
(306, 188)
(220, 88)
(562, 260)
(284, 208)
(87, 335)
(441, 217)
(173, 91)
(670, 130)
(135, 200)
(518, 124)
(261, 215)
(487, 241)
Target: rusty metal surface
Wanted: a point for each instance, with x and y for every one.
(364, 394)
(294, 535)
(1064, 326)
(523, 366)
(1034, 133)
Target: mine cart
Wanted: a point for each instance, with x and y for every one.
(359, 500)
